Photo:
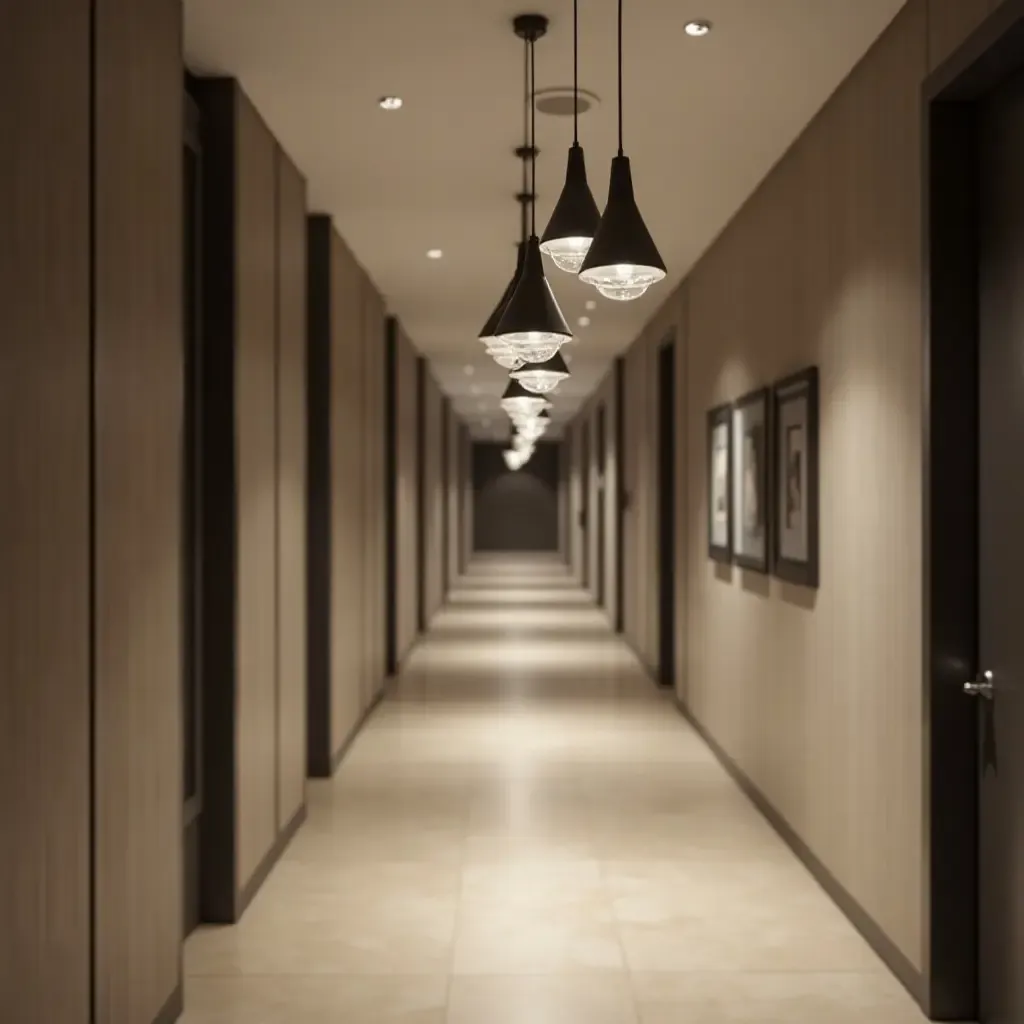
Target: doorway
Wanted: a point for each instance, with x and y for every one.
(974, 504)
(599, 510)
(192, 520)
(584, 523)
(667, 512)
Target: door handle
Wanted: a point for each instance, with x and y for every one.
(982, 687)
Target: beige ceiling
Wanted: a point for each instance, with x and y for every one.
(705, 119)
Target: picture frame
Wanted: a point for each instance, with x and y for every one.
(751, 501)
(719, 483)
(795, 478)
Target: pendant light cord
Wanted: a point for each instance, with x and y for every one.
(533, 140)
(620, 77)
(526, 138)
(575, 74)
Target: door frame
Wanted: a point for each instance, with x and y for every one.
(600, 517)
(665, 476)
(948, 986)
(586, 468)
(621, 500)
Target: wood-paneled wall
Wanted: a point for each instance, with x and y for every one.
(604, 491)
(406, 496)
(254, 279)
(433, 496)
(44, 512)
(139, 382)
(291, 490)
(346, 555)
(90, 523)
(814, 694)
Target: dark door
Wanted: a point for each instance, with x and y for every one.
(666, 513)
(599, 511)
(585, 501)
(1001, 554)
(192, 523)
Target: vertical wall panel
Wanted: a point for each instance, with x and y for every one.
(406, 495)
(291, 490)
(138, 517)
(374, 562)
(256, 400)
(433, 496)
(348, 440)
(453, 516)
(44, 512)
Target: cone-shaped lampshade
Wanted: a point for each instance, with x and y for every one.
(623, 261)
(532, 324)
(575, 218)
(540, 378)
(489, 330)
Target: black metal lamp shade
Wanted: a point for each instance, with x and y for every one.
(489, 330)
(541, 378)
(532, 324)
(623, 261)
(575, 218)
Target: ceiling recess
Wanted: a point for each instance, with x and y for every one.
(556, 101)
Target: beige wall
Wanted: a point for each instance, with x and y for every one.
(816, 695)
(406, 497)
(91, 322)
(434, 409)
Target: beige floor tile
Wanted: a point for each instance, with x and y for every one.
(544, 999)
(303, 999)
(773, 998)
(527, 832)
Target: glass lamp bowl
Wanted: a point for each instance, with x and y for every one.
(567, 254)
(504, 357)
(534, 346)
(622, 282)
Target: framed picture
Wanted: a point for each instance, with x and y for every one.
(719, 477)
(795, 414)
(750, 505)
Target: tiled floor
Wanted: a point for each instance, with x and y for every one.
(527, 833)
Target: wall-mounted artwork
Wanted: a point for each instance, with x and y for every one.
(719, 486)
(750, 506)
(795, 490)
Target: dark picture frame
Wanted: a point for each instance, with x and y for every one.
(719, 483)
(795, 512)
(751, 495)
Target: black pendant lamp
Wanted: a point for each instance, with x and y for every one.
(575, 218)
(517, 401)
(532, 325)
(623, 261)
(542, 378)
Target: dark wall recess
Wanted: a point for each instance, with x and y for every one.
(318, 509)
(515, 511)
(391, 495)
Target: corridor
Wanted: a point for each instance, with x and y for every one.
(527, 832)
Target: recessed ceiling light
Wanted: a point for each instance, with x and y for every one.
(434, 254)
(475, 389)
(584, 321)
(698, 28)
(468, 369)
(591, 304)
(390, 102)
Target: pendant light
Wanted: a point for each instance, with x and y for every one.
(504, 356)
(513, 459)
(532, 325)
(575, 218)
(623, 261)
(540, 378)
(518, 402)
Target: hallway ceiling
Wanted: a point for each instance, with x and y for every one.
(705, 119)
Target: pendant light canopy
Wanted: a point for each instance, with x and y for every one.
(576, 216)
(623, 261)
(531, 324)
(541, 378)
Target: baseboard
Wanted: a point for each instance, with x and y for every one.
(651, 671)
(894, 958)
(174, 1007)
(339, 755)
(273, 855)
